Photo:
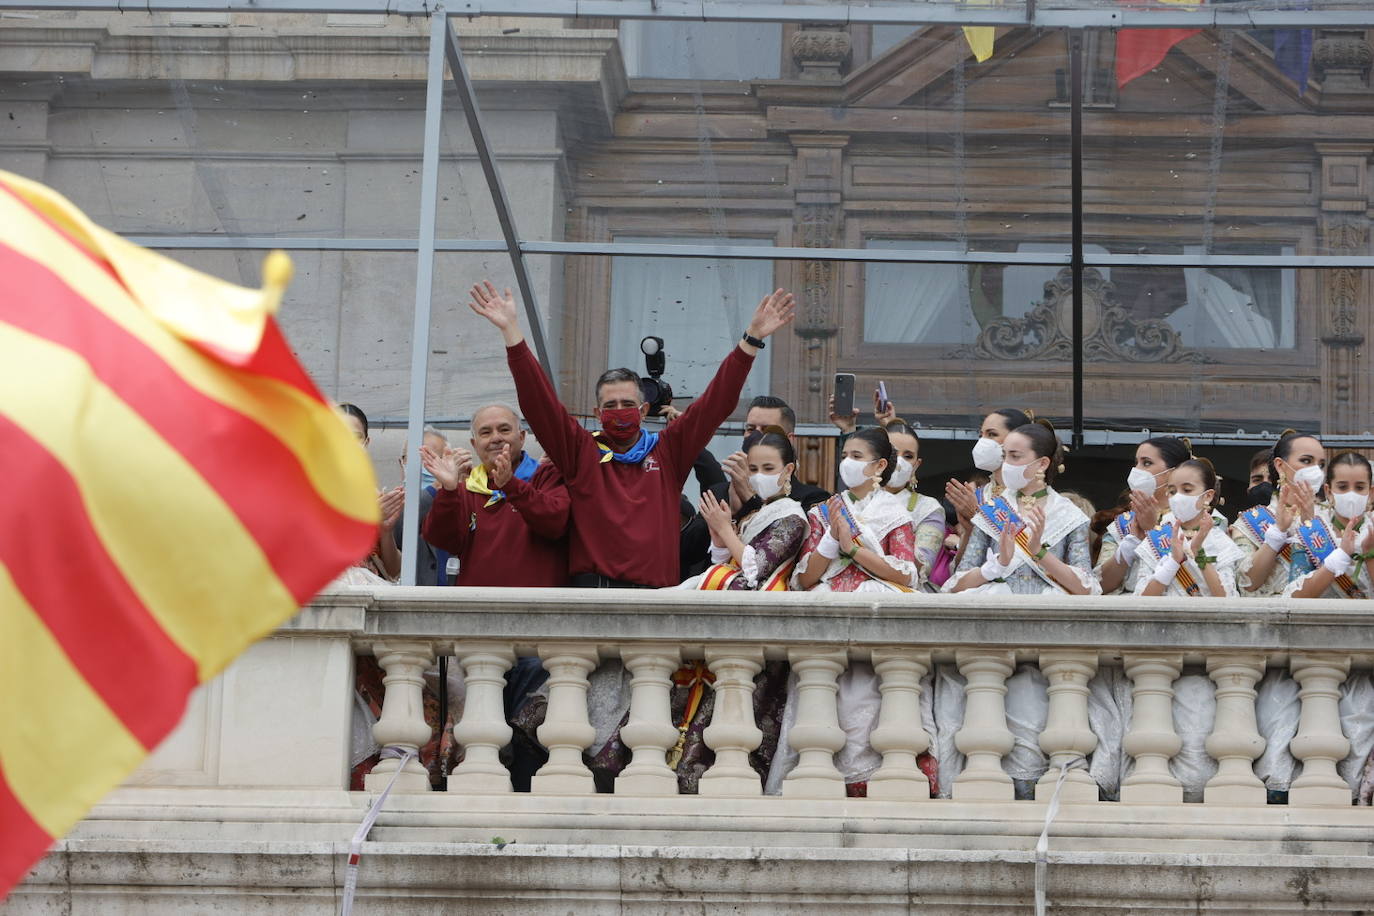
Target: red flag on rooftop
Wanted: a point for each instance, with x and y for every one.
(175, 487)
(1138, 51)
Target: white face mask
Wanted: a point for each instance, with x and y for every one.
(1351, 505)
(1185, 507)
(901, 474)
(852, 472)
(1311, 475)
(987, 454)
(766, 485)
(1141, 479)
(1016, 476)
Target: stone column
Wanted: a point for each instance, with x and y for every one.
(402, 723)
(1343, 322)
(1342, 58)
(1235, 741)
(1067, 735)
(817, 735)
(1319, 743)
(899, 736)
(650, 731)
(733, 733)
(483, 730)
(985, 738)
(1152, 740)
(566, 730)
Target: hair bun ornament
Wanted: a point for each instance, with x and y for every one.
(1188, 444)
(1221, 500)
(1060, 469)
(775, 430)
(1030, 414)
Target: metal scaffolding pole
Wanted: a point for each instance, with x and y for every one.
(424, 281)
(499, 199)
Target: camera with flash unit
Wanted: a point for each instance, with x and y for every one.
(656, 392)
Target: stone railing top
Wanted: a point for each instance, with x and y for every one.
(1275, 626)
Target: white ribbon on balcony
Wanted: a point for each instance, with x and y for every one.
(355, 845)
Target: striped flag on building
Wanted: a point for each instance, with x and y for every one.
(174, 485)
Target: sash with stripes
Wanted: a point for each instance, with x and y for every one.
(1123, 524)
(1161, 544)
(719, 577)
(998, 513)
(1318, 541)
(1257, 521)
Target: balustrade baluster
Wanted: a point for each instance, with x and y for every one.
(1319, 743)
(817, 735)
(1235, 741)
(985, 738)
(733, 732)
(899, 736)
(1152, 740)
(402, 723)
(566, 730)
(483, 730)
(650, 732)
(1067, 735)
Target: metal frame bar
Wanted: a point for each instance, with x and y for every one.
(762, 252)
(459, 69)
(424, 284)
(1142, 16)
(1076, 204)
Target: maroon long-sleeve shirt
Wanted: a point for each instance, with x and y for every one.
(625, 517)
(518, 541)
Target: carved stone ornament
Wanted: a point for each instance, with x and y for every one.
(820, 51)
(1343, 283)
(1343, 59)
(1109, 333)
(817, 224)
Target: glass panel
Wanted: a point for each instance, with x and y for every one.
(702, 50)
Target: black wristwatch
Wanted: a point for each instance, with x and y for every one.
(753, 341)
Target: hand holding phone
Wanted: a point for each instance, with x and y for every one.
(844, 394)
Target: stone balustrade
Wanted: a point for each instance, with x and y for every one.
(258, 771)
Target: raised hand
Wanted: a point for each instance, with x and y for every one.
(964, 498)
(844, 424)
(669, 413)
(500, 469)
(1367, 541)
(1006, 544)
(736, 467)
(883, 417)
(392, 502)
(716, 514)
(839, 528)
(1204, 529)
(464, 459)
(499, 309)
(1288, 509)
(774, 311)
(444, 467)
(1146, 513)
(1178, 546)
(1304, 501)
(1035, 527)
(1347, 542)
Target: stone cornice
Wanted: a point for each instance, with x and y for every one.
(1110, 624)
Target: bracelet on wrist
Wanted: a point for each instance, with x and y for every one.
(753, 341)
(1044, 549)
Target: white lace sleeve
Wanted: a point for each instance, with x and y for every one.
(720, 554)
(749, 566)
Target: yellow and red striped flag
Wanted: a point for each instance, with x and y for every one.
(174, 485)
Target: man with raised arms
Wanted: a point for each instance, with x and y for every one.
(625, 482)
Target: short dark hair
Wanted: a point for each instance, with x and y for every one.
(353, 410)
(1015, 419)
(611, 376)
(1261, 458)
(768, 402)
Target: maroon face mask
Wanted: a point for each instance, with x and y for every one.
(621, 423)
